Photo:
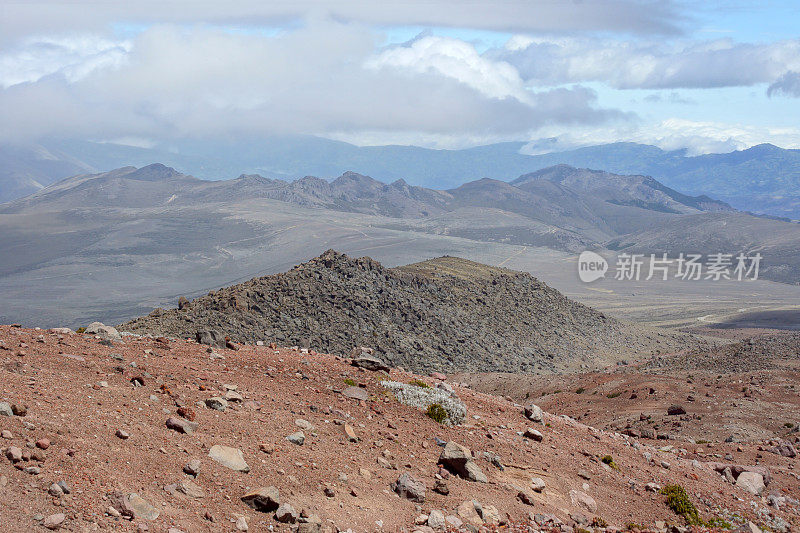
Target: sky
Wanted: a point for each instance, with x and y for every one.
(705, 76)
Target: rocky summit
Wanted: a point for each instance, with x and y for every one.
(443, 314)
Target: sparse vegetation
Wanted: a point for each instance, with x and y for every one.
(607, 459)
(613, 394)
(419, 383)
(678, 500)
(598, 521)
(80, 330)
(436, 412)
(350, 382)
(789, 425)
(580, 390)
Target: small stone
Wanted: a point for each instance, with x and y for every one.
(43, 444)
(582, 499)
(241, 524)
(286, 514)
(370, 363)
(54, 521)
(537, 484)
(752, 482)
(410, 488)
(122, 434)
(532, 434)
(181, 426)
(436, 519)
(217, 403)
(534, 413)
(674, 410)
(356, 393)
(19, 409)
(440, 487)
(233, 396)
(64, 487)
(5, 409)
(297, 438)
(192, 467)
(191, 489)
(55, 490)
(350, 433)
(6, 434)
(229, 457)
(264, 499)
(14, 454)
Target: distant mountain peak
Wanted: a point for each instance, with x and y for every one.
(153, 172)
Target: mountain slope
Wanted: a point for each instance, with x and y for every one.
(763, 178)
(443, 314)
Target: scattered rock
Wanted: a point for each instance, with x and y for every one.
(217, 403)
(674, 410)
(5, 409)
(229, 457)
(297, 438)
(122, 434)
(534, 413)
(410, 488)
(532, 434)
(134, 506)
(106, 333)
(54, 521)
(368, 362)
(180, 425)
(356, 393)
(286, 514)
(582, 499)
(752, 482)
(192, 468)
(264, 499)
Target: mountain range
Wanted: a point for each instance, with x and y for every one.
(115, 244)
(763, 179)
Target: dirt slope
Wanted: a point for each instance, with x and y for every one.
(80, 391)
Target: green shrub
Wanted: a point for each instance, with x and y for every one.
(718, 522)
(789, 425)
(679, 502)
(598, 521)
(613, 394)
(607, 459)
(580, 390)
(436, 412)
(419, 383)
(80, 330)
(349, 381)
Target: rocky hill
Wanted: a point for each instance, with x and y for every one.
(442, 314)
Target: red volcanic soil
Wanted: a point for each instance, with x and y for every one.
(78, 394)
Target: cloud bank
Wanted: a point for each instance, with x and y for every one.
(325, 77)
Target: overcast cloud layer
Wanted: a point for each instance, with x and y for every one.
(158, 71)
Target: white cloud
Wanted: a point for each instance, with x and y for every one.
(697, 137)
(787, 85)
(21, 19)
(454, 59)
(628, 64)
(201, 81)
(73, 57)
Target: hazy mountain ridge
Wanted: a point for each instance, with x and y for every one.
(763, 178)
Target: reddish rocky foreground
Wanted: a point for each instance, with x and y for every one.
(101, 435)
